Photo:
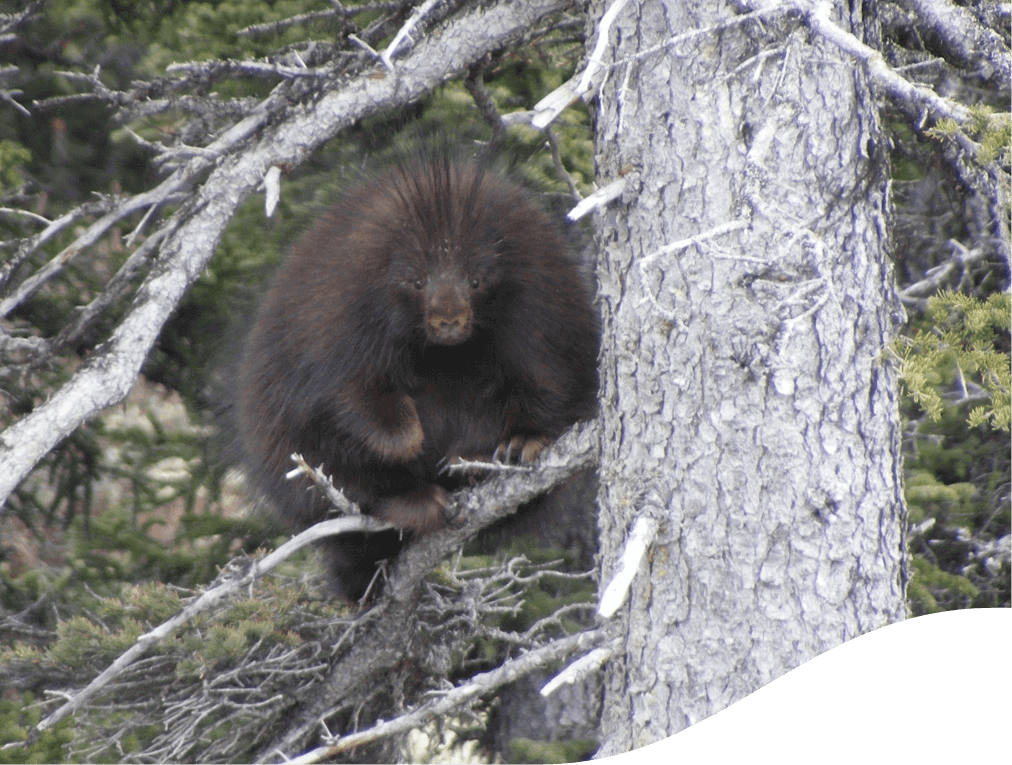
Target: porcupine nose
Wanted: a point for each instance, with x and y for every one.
(448, 315)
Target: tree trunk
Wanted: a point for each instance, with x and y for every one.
(748, 402)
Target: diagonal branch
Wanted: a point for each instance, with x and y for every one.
(180, 180)
(817, 16)
(966, 40)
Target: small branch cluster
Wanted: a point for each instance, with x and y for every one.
(214, 692)
(240, 574)
(457, 698)
(934, 278)
(499, 122)
(470, 599)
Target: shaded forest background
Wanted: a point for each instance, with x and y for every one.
(138, 508)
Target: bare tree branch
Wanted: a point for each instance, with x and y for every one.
(404, 33)
(227, 68)
(303, 18)
(966, 40)
(641, 537)
(11, 21)
(817, 16)
(962, 258)
(32, 245)
(487, 106)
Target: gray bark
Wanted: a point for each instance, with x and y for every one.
(747, 401)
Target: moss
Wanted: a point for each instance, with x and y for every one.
(523, 750)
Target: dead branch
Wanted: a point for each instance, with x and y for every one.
(967, 42)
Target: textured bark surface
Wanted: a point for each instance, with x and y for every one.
(747, 402)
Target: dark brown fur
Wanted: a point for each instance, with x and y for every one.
(434, 313)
